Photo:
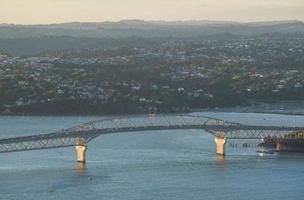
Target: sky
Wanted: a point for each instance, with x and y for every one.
(58, 11)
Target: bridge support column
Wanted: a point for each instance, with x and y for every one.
(220, 145)
(278, 147)
(80, 153)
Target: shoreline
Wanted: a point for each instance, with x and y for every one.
(220, 110)
(282, 108)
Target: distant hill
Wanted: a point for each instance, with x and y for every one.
(35, 45)
(32, 39)
(127, 28)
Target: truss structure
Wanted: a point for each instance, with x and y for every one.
(84, 133)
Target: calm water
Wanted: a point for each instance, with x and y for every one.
(175, 165)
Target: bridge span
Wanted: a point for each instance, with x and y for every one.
(79, 136)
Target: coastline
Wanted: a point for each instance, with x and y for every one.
(282, 108)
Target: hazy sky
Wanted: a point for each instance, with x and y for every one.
(54, 11)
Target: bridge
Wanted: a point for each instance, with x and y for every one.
(80, 136)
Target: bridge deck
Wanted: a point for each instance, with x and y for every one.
(86, 132)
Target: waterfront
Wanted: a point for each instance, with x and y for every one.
(178, 164)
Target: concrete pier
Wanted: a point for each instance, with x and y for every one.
(220, 145)
(278, 147)
(80, 153)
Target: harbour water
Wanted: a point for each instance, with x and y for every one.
(175, 164)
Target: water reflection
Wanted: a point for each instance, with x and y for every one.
(80, 168)
(220, 160)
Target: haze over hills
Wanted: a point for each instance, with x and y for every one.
(158, 28)
(30, 39)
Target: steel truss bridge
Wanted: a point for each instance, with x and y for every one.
(84, 133)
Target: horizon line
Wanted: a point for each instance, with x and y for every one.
(160, 20)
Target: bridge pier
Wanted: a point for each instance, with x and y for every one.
(220, 145)
(80, 153)
(278, 147)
